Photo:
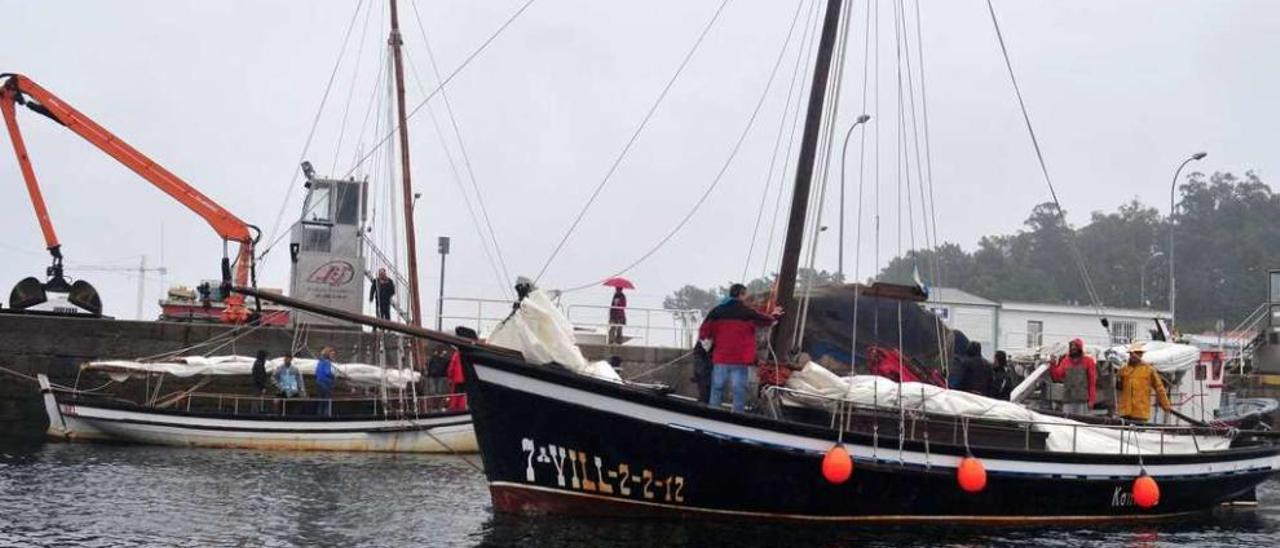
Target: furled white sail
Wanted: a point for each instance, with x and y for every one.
(1064, 434)
(358, 374)
(543, 335)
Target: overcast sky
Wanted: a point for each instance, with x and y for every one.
(224, 93)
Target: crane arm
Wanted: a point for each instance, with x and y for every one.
(18, 89)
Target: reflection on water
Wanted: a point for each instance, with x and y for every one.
(83, 495)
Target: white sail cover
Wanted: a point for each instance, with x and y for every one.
(1065, 435)
(543, 335)
(1166, 357)
(358, 374)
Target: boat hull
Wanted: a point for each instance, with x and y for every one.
(556, 443)
(77, 422)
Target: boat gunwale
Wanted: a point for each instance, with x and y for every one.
(117, 404)
(557, 374)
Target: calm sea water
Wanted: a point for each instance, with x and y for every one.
(85, 495)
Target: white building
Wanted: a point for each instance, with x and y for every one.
(1013, 325)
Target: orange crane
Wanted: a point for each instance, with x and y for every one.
(16, 89)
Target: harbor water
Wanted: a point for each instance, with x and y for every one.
(102, 495)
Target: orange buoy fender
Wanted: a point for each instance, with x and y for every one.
(971, 475)
(1146, 493)
(837, 465)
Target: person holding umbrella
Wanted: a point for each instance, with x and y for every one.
(617, 308)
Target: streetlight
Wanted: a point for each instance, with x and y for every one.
(1142, 278)
(844, 151)
(442, 244)
(1173, 283)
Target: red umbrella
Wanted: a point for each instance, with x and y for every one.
(619, 282)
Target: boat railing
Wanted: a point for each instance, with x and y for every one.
(351, 407)
(479, 314)
(653, 326)
(674, 328)
(1127, 440)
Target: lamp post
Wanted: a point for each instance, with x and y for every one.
(1142, 278)
(1173, 281)
(443, 244)
(844, 151)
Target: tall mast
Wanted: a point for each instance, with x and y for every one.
(410, 238)
(804, 176)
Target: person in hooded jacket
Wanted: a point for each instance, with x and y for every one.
(974, 374)
(260, 379)
(1001, 377)
(731, 328)
(1078, 374)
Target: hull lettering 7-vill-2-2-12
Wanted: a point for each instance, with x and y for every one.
(577, 470)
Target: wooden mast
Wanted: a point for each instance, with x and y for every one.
(415, 303)
(785, 333)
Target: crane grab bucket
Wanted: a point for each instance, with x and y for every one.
(31, 292)
(85, 296)
(28, 293)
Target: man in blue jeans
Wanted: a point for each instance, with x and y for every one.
(325, 379)
(731, 328)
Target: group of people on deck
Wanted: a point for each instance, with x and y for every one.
(728, 344)
(286, 382)
(1077, 372)
(443, 377)
(973, 373)
(1137, 381)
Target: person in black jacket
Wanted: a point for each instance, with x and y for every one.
(260, 372)
(381, 292)
(437, 378)
(260, 379)
(1001, 377)
(974, 375)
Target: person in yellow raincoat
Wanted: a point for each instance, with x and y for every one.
(1138, 379)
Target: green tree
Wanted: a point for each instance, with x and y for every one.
(1227, 231)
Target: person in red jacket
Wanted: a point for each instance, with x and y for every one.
(731, 328)
(1079, 375)
(458, 401)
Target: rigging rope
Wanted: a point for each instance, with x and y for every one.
(827, 140)
(733, 153)
(635, 135)
(315, 122)
(795, 127)
(462, 148)
(1069, 236)
(499, 273)
(346, 110)
(777, 145)
(377, 146)
(862, 149)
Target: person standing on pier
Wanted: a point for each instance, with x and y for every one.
(381, 292)
(617, 315)
(1078, 374)
(732, 329)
